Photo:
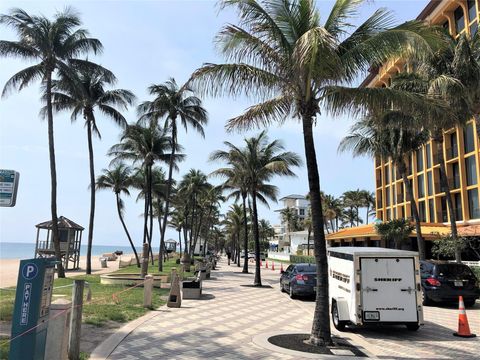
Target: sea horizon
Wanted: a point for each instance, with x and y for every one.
(26, 250)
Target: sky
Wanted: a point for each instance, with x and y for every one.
(147, 42)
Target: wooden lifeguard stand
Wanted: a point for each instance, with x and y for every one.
(70, 236)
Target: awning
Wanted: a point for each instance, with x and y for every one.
(429, 231)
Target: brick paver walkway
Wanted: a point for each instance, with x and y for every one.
(222, 324)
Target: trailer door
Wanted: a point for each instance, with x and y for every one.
(388, 289)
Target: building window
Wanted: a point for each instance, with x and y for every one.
(457, 205)
(472, 10)
(301, 212)
(421, 186)
(473, 28)
(469, 138)
(387, 175)
(389, 216)
(459, 19)
(473, 204)
(455, 175)
(431, 211)
(430, 183)
(419, 160)
(421, 211)
(453, 146)
(444, 209)
(387, 195)
(471, 168)
(429, 156)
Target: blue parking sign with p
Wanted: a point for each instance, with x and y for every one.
(29, 271)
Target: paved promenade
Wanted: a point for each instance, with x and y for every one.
(228, 321)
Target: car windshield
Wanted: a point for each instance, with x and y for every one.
(454, 270)
(307, 268)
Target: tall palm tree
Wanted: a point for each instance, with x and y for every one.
(233, 222)
(235, 184)
(118, 179)
(283, 55)
(263, 160)
(54, 46)
(452, 74)
(390, 136)
(368, 202)
(83, 94)
(354, 199)
(175, 104)
(145, 145)
(290, 219)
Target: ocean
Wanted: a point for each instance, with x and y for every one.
(10, 250)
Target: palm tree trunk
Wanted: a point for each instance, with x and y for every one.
(169, 186)
(309, 234)
(448, 195)
(321, 334)
(245, 235)
(368, 210)
(145, 207)
(126, 231)
(90, 121)
(257, 280)
(238, 248)
(179, 240)
(413, 204)
(332, 225)
(53, 178)
(149, 213)
(161, 251)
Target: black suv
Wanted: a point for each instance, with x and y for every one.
(444, 281)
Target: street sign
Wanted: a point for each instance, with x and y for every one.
(8, 187)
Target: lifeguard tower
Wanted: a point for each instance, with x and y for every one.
(170, 246)
(70, 236)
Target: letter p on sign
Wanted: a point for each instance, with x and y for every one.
(29, 271)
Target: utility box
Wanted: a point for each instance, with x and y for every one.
(32, 306)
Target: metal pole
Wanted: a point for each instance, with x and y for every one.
(76, 320)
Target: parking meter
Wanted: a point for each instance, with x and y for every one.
(32, 305)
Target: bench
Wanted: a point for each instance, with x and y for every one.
(192, 289)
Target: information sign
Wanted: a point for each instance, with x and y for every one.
(8, 187)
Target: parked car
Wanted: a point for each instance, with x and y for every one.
(444, 281)
(299, 279)
(251, 255)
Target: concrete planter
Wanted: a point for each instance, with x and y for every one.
(191, 289)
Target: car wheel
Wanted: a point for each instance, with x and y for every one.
(412, 326)
(469, 303)
(425, 299)
(282, 289)
(290, 292)
(339, 325)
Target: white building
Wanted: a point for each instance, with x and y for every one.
(299, 203)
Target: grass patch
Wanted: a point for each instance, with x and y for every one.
(153, 269)
(4, 348)
(277, 261)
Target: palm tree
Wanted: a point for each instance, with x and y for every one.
(236, 184)
(263, 160)
(233, 223)
(176, 104)
(453, 74)
(354, 199)
(389, 136)
(368, 202)
(282, 54)
(54, 46)
(83, 94)
(289, 218)
(145, 145)
(396, 230)
(118, 180)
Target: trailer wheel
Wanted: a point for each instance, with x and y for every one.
(339, 325)
(412, 326)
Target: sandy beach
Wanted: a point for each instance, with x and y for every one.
(9, 268)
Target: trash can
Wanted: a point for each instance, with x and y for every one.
(103, 262)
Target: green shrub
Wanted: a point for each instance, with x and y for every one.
(476, 271)
(295, 259)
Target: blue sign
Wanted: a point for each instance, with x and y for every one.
(29, 271)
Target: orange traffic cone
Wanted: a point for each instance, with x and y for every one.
(273, 266)
(266, 264)
(463, 328)
(281, 267)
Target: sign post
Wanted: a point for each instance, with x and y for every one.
(32, 305)
(8, 187)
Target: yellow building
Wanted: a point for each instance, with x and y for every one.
(461, 151)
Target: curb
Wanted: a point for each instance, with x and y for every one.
(105, 348)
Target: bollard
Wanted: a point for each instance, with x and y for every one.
(174, 297)
(147, 291)
(76, 320)
(56, 347)
(144, 260)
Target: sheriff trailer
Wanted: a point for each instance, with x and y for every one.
(374, 286)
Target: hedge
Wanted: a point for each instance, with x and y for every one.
(295, 259)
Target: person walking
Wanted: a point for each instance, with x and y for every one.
(229, 254)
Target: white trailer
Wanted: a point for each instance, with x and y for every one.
(374, 285)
